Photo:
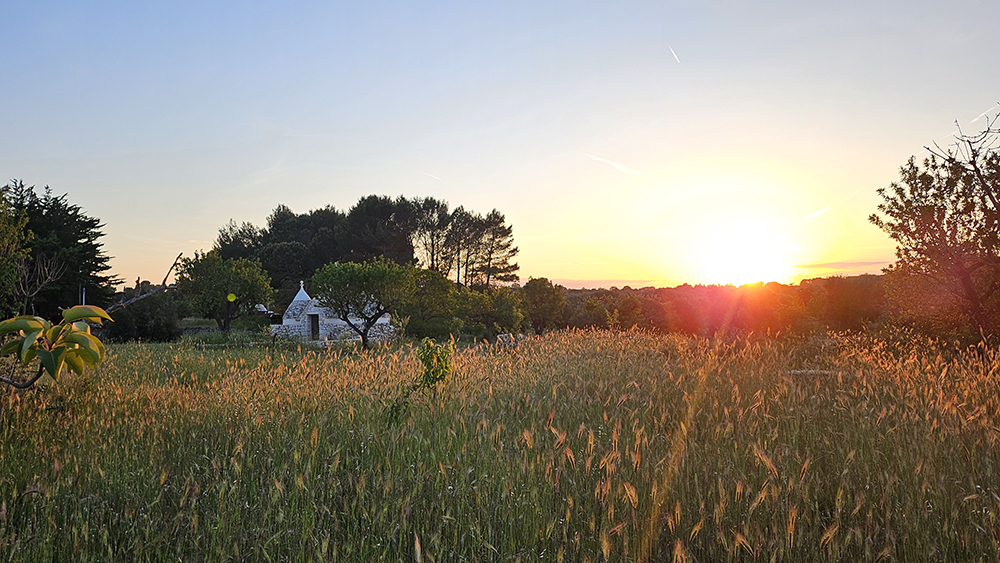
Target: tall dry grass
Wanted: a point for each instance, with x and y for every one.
(580, 446)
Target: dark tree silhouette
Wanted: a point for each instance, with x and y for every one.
(378, 226)
(944, 215)
(63, 235)
(544, 303)
(431, 223)
(496, 251)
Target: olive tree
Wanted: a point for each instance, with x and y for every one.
(223, 290)
(359, 294)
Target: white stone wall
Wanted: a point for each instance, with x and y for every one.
(296, 324)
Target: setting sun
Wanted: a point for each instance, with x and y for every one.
(743, 251)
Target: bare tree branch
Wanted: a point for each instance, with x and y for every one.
(158, 289)
(46, 270)
(23, 384)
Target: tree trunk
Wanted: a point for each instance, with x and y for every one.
(975, 308)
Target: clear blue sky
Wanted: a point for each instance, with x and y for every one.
(625, 142)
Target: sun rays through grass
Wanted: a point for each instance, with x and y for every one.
(580, 446)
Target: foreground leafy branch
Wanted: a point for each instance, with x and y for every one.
(68, 343)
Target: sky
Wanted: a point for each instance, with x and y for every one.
(627, 143)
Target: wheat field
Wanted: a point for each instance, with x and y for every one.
(577, 446)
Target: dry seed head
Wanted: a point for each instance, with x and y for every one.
(630, 494)
(680, 554)
(828, 534)
(791, 524)
(697, 528)
(739, 540)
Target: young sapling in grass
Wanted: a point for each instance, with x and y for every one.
(436, 360)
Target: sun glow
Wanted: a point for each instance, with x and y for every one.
(743, 251)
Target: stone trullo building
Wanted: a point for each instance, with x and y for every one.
(305, 318)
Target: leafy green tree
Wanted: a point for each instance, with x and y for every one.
(13, 253)
(845, 303)
(431, 309)
(945, 218)
(493, 311)
(617, 309)
(239, 241)
(316, 230)
(68, 240)
(587, 311)
(544, 304)
(378, 226)
(359, 294)
(223, 290)
(287, 263)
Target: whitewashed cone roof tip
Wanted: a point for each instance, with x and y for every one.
(302, 295)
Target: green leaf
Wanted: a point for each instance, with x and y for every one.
(59, 355)
(75, 360)
(88, 343)
(24, 322)
(28, 342)
(86, 312)
(48, 360)
(52, 332)
(10, 347)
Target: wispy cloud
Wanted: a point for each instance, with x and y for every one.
(432, 176)
(817, 214)
(676, 58)
(613, 164)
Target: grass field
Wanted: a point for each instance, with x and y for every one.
(579, 446)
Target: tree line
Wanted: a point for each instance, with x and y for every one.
(943, 214)
(815, 305)
(444, 268)
(474, 250)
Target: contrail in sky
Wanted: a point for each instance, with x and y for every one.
(433, 176)
(852, 194)
(673, 53)
(617, 166)
(817, 214)
(984, 114)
